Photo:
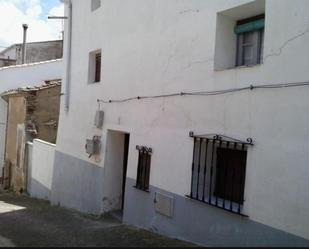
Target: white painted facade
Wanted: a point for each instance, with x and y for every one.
(161, 47)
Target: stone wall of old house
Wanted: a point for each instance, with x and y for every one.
(31, 114)
(43, 112)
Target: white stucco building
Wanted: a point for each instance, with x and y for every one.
(177, 53)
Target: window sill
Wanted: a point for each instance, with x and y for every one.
(147, 191)
(238, 67)
(94, 83)
(216, 206)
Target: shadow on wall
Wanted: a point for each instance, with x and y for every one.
(38, 190)
(77, 184)
(40, 159)
(62, 179)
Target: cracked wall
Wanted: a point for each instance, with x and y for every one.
(162, 47)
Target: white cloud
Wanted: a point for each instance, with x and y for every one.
(13, 13)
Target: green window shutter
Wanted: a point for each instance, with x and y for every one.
(251, 26)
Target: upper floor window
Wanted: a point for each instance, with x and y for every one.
(250, 40)
(97, 74)
(240, 36)
(95, 4)
(95, 66)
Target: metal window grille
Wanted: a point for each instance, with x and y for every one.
(218, 171)
(97, 67)
(143, 168)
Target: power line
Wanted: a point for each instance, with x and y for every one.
(209, 93)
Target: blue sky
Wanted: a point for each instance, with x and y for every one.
(47, 5)
(13, 13)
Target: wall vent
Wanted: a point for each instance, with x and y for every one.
(164, 204)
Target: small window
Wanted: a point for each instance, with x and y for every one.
(95, 4)
(143, 168)
(250, 39)
(95, 67)
(239, 36)
(218, 172)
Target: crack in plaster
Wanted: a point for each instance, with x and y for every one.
(285, 44)
(197, 62)
(167, 66)
(189, 11)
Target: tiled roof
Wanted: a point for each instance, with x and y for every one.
(45, 85)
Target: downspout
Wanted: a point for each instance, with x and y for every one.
(68, 61)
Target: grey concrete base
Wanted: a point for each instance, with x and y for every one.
(39, 191)
(77, 184)
(201, 223)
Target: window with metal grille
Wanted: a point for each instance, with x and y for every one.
(143, 168)
(218, 171)
(250, 40)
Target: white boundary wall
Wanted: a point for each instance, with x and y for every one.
(41, 169)
(29, 74)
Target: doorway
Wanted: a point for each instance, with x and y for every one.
(125, 166)
(116, 164)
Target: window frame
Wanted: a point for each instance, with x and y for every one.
(98, 66)
(257, 43)
(95, 71)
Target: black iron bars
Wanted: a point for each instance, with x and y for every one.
(143, 168)
(218, 171)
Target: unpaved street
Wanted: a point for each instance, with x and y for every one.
(30, 222)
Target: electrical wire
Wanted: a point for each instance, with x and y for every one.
(208, 93)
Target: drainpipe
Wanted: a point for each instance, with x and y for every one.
(68, 61)
(68, 51)
(23, 59)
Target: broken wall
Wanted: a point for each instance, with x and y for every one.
(43, 110)
(14, 139)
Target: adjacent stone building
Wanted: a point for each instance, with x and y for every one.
(33, 112)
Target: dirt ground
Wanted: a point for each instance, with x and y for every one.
(30, 222)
